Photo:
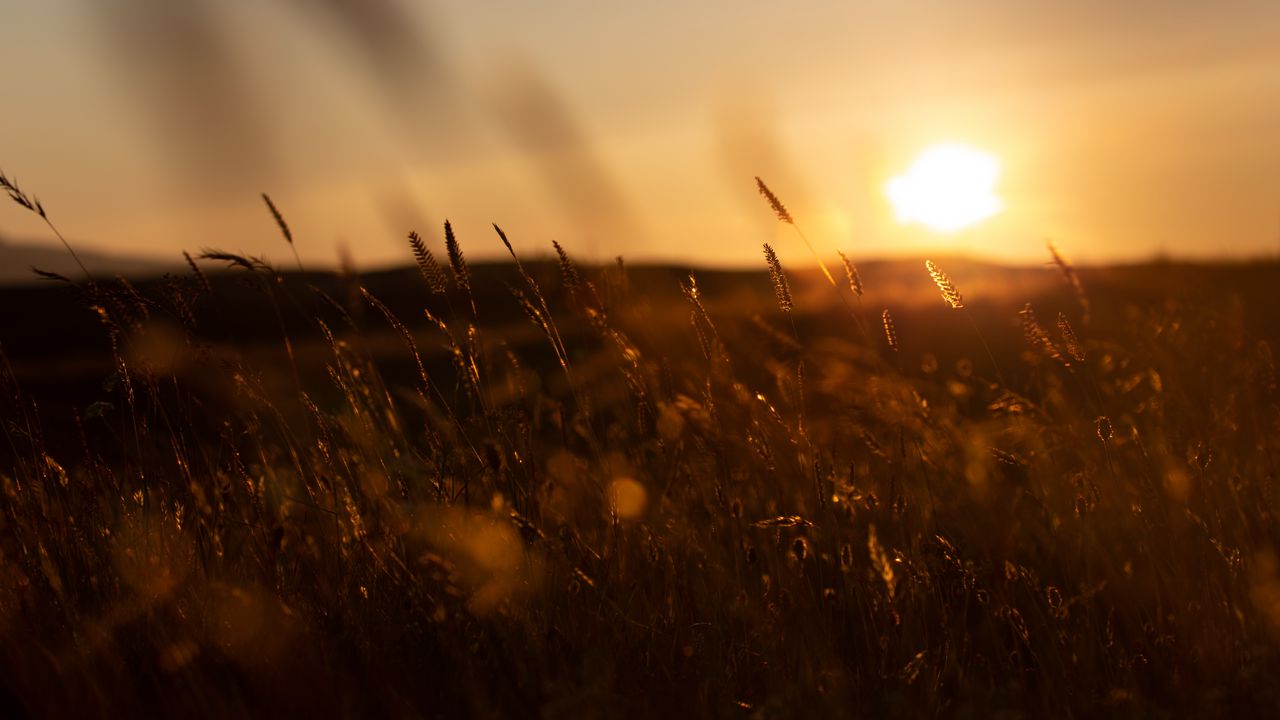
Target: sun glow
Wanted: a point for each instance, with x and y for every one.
(949, 187)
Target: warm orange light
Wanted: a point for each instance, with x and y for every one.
(949, 187)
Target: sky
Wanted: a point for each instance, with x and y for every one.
(1123, 131)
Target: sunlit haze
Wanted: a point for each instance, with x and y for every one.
(1120, 130)
(949, 187)
(697, 359)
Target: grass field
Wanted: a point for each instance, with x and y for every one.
(542, 488)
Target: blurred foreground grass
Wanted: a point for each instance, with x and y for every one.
(601, 491)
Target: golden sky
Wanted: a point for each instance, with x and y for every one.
(1123, 129)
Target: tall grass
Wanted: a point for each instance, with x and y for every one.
(626, 506)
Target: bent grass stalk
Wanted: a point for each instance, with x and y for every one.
(33, 204)
(784, 216)
(284, 228)
(951, 295)
(458, 263)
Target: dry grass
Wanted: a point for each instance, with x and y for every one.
(616, 498)
(948, 289)
(431, 271)
(781, 288)
(852, 275)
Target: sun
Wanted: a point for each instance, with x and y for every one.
(949, 187)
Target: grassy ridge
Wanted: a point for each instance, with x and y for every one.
(605, 491)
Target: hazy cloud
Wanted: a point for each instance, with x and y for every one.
(569, 168)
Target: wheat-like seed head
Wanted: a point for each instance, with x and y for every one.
(27, 201)
(1074, 348)
(505, 242)
(457, 263)
(851, 272)
(568, 271)
(275, 213)
(1036, 335)
(890, 332)
(949, 292)
(427, 265)
(778, 208)
(32, 203)
(781, 287)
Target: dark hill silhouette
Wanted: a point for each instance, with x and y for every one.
(17, 259)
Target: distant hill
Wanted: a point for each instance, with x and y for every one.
(17, 259)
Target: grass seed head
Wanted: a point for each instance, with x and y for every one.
(890, 331)
(948, 289)
(427, 265)
(1037, 337)
(568, 271)
(275, 213)
(781, 287)
(852, 274)
(778, 208)
(1074, 348)
(457, 263)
